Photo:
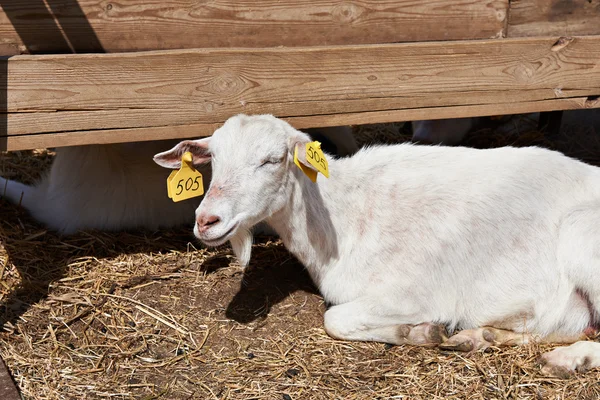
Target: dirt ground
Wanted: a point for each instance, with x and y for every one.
(153, 315)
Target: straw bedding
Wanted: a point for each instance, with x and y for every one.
(153, 315)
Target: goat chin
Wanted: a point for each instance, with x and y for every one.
(242, 246)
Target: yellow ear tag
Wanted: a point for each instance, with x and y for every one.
(186, 182)
(315, 156)
(312, 175)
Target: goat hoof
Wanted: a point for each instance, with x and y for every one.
(457, 343)
(488, 335)
(564, 362)
(426, 334)
(556, 371)
(437, 334)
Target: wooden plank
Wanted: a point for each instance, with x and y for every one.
(44, 140)
(127, 94)
(38, 26)
(553, 17)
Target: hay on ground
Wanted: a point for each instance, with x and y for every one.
(153, 315)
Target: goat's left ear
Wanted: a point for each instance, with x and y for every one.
(297, 146)
(300, 151)
(172, 158)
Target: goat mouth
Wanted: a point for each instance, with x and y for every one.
(214, 242)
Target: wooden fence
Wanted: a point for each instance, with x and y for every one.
(145, 70)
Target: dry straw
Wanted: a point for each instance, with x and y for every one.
(150, 315)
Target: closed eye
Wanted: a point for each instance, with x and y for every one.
(271, 161)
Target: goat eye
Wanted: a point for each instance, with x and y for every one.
(270, 161)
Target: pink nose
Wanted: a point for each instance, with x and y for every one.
(206, 221)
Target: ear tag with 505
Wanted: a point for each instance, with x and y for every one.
(186, 182)
(316, 158)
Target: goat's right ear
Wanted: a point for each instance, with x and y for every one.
(172, 158)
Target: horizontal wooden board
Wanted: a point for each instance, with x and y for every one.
(119, 97)
(553, 17)
(45, 140)
(38, 26)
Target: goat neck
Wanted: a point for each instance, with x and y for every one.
(306, 225)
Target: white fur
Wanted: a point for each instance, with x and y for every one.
(580, 356)
(407, 234)
(116, 187)
(106, 187)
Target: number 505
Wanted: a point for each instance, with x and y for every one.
(315, 156)
(190, 184)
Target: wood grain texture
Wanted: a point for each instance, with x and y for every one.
(44, 140)
(128, 94)
(553, 17)
(65, 26)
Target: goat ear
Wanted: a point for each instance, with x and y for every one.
(172, 158)
(300, 149)
(301, 161)
(297, 145)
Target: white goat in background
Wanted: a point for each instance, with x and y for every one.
(403, 239)
(117, 186)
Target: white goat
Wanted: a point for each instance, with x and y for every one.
(117, 186)
(403, 238)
